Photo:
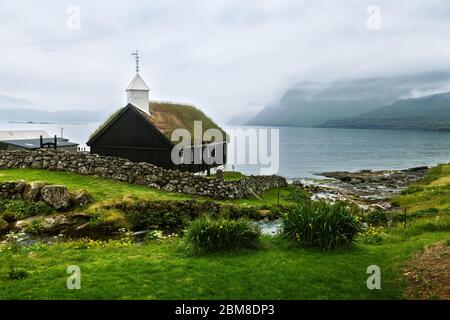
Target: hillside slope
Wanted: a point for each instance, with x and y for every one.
(425, 113)
(312, 104)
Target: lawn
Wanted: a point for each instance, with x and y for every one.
(279, 269)
(100, 188)
(103, 189)
(431, 194)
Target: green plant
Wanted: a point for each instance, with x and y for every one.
(35, 227)
(321, 225)
(16, 273)
(3, 224)
(141, 219)
(377, 218)
(107, 219)
(372, 235)
(206, 234)
(153, 235)
(20, 209)
(13, 241)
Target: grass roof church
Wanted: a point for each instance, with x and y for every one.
(147, 131)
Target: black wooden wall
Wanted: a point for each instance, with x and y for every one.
(132, 137)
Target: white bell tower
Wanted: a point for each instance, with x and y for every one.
(137, 90)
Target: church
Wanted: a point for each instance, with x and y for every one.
(142, 131)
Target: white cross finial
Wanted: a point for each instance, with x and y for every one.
(136, 54)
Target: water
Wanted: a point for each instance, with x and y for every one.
(305, 152)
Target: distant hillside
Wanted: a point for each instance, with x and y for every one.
(33, 115)
(312, 104)
(15, 109)
(240, 119)
(426, 113)
(7, 102)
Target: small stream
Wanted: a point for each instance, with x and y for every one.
(270, 228)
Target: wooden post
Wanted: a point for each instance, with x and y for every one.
(55, 146)
(41, 140)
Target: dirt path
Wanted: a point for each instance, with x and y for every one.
(428, 273)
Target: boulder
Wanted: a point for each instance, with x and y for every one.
(189, 189)
(82, 198)
(55, 223)
(297, 183)
(56, 196)
(32, 191)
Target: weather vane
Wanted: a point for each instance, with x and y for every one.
(136, 54)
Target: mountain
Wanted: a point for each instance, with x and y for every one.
(240, 119)
(7, 102)
(15, 109)
(425, 113)
(312, 104)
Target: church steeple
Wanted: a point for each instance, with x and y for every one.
(137, 90)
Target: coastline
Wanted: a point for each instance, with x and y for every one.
(367, 189)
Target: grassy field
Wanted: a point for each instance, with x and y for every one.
(279, 269)
(100, 188)
(103, 189)
(431, 194)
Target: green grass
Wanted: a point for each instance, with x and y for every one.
(287, 196)
(100, 188)
(280, 270)
(103, 189)
(229, 176)
(433, 192)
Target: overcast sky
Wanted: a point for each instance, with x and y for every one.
(226, 56)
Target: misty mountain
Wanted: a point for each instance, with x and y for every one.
(240, 119)
(425, 113)
(312, 104)
(15, 109)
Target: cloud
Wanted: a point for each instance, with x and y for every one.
(222, 55)
(418, 93)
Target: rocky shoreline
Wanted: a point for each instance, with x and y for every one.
(370, 190)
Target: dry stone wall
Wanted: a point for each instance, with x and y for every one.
(138, 173)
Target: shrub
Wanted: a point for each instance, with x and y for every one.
(20, 209)
(372, 235)
(377, 218)
(107, 220)
(206, 234)
(320, 225)
(35, 227)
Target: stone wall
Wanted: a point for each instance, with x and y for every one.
(56, 196)
(138, 173)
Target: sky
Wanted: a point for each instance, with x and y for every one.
(226, 56)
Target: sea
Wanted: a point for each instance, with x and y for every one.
(307, 152)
